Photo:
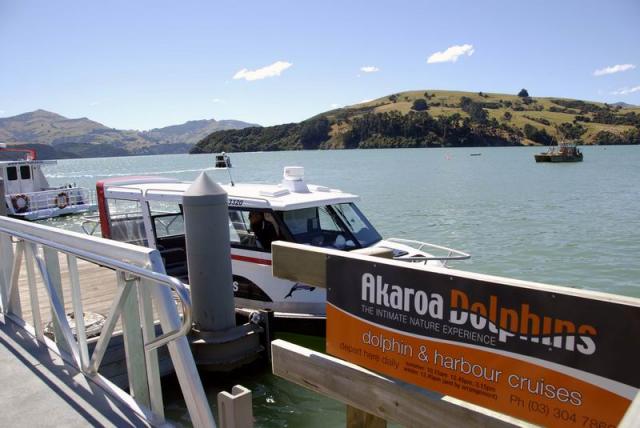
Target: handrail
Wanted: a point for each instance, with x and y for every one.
(136, 267)
(173, 283)
(453, 254)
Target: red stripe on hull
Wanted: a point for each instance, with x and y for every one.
(251, 260)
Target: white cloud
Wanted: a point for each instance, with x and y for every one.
(334, 105)
(94, 103)
(613, 69)
(369, 69)
(2, 111)
(272, 70)
(626, 91)
(217, 100)
(365, 101)
(451, 54)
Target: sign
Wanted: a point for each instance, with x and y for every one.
(555, 358)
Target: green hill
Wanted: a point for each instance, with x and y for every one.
(441, 119)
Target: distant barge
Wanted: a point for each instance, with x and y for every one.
(563, 152)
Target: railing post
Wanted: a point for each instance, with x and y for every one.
(151, 357)
(53, 268)
(76, 301)
(29, 259)
(15, 306)
(134, 344)
(6, 263)
(181, 355)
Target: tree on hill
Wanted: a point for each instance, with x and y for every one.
(313, 132)
(507, 115)
(523, 93)
(477, 113)
(474, 110)
(420, 105)
(571, 131)
(538, 135)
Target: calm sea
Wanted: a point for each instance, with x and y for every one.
(575, 225)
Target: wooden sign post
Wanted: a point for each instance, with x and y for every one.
(549, 355)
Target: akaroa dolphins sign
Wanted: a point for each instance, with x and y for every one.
(536, 352)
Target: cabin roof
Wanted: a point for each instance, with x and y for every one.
(272, 196)
(7, 163)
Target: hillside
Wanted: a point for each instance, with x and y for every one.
(64, 137)
(441, 119)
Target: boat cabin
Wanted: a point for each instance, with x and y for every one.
(148, 211)
(28, 194)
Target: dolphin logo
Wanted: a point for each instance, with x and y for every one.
(297, 286)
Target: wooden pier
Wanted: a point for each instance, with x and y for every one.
(98, 288)
(39, 388)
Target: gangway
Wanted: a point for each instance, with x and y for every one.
(42, 252)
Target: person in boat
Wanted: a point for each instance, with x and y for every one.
(264, 226)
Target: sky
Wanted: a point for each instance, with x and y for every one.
(147, 64)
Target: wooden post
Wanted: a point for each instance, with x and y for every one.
(383, 397)
(631, 419)
(357, 418)
(235, 410)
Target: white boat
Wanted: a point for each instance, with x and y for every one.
(147, 211)
(28, 194)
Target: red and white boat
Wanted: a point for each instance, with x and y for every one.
(148, 211)
(28, 194)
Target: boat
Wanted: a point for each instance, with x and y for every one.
(28, 194)
(563, 152)
(147, 211)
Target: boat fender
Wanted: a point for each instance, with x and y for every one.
(20, 203)
(62, 200)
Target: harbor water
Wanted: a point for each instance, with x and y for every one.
(574, 224)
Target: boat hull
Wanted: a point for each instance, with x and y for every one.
(557, 158)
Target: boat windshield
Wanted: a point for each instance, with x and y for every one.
(341, 226)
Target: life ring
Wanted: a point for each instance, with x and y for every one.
(20, 203)
(62, 200)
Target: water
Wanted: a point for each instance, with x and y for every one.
(573, 224)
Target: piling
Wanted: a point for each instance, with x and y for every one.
(206, 217)
(217, 343)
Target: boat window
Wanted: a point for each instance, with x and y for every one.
(318, 226)
(25, 172)
(167, 218)
(357, 223)
(126, 222)
(12, 173)
(340, 226)
(253, 229)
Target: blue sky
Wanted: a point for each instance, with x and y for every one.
(145, 64)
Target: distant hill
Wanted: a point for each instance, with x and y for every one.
(624, 105)
(82, 137)
(441, 119)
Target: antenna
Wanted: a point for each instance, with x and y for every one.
(223, 161)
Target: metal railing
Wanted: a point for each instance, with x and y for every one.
(425, 246)
(51, 198)
(141, 285)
